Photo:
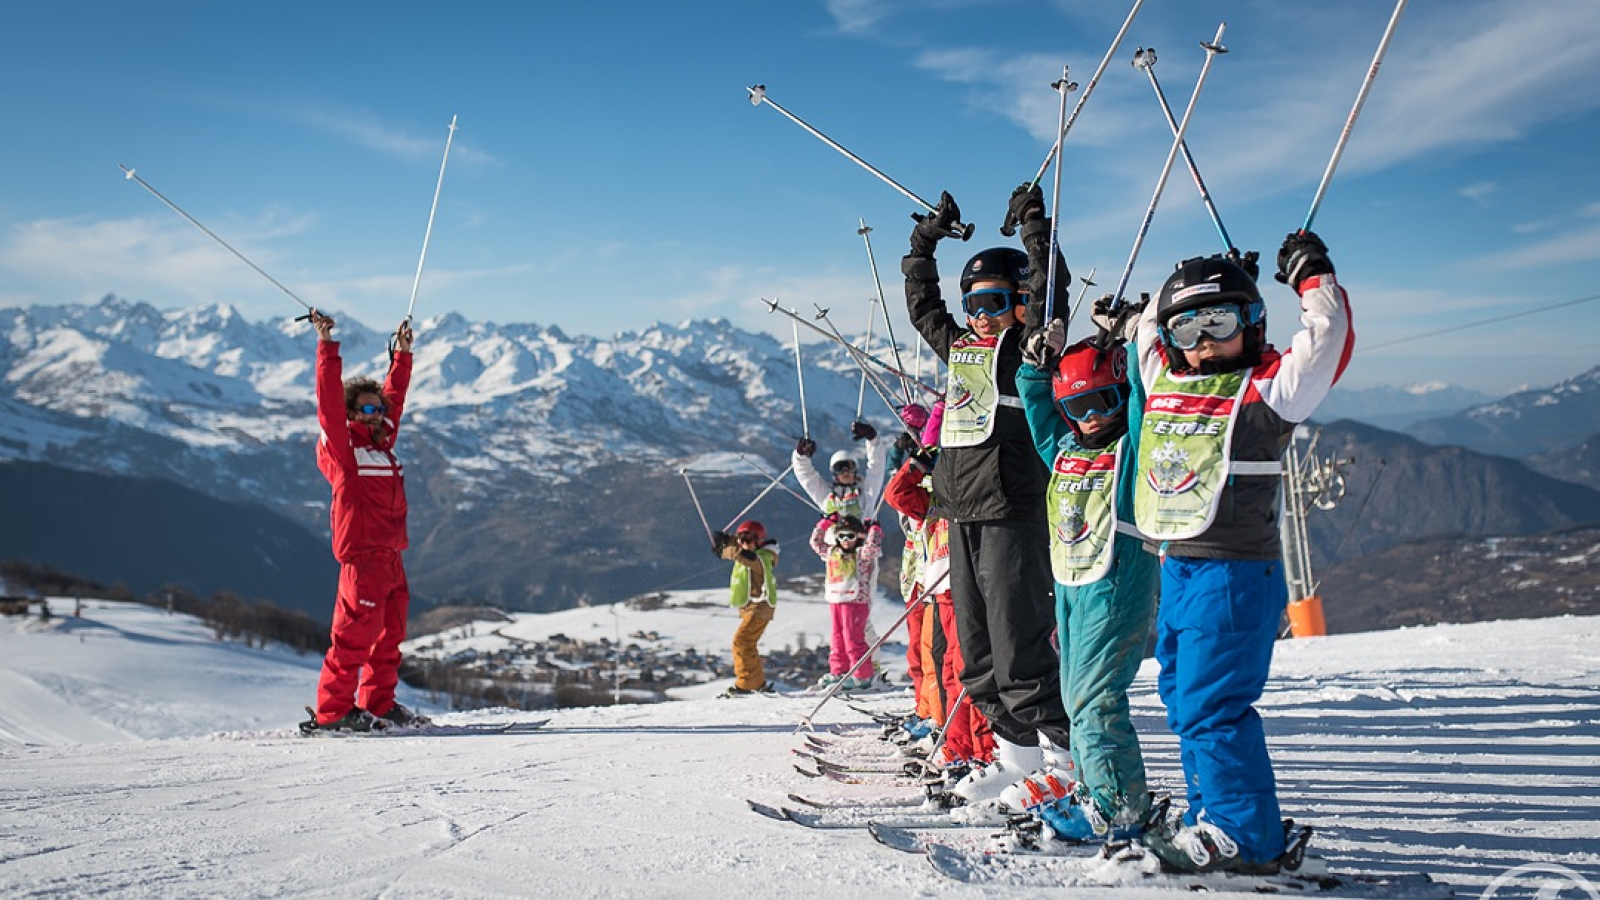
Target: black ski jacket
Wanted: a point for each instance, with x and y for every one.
(1003, 477)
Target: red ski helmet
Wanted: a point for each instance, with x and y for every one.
(752, 527)
(1090, 380)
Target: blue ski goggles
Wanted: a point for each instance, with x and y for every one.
(1103, 402)
(372, 409)
(1219, 323)
(988, 302)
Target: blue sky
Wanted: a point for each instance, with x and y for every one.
(609, 170)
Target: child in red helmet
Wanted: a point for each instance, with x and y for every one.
(355, 451)
(753, 589)
(1083, 410)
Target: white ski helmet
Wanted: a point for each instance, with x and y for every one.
(840, 458)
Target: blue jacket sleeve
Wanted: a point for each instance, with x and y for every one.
(1039, 404)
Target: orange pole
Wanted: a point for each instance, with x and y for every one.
(1305, 618)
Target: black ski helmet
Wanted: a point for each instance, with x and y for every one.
(997, 264)
(1208, 281)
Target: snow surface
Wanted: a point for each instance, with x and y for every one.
(143, 758)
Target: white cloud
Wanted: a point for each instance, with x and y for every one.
(364, 129)
(1568, 247)
(1479, 191)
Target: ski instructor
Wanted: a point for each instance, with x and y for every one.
(358, 422)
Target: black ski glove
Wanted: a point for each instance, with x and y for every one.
(1027, 204)
(805, 447)
(1250, 262)
(931, 227)
(719, 542)
(1302, 256)
(906, 444)
(862, 431)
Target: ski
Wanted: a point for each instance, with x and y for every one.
(435, 730)
(771, 812)
(881, 802)
(834, 819)
(1123, 869)
(911, 839)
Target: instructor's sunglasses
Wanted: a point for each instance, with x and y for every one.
(1106, 401)
(1219, 323)
(988, 302)
(372, 409)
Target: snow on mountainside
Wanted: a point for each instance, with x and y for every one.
(1527, 422)
(145, 759)
(514, 434)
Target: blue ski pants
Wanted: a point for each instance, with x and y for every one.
(1102, 627)
(1218, 621)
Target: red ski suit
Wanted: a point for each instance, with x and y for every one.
(369, 531)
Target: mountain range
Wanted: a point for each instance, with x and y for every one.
(546, 470)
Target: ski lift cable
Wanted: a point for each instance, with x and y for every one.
(1491, 321)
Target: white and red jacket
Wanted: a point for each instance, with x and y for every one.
(369, 491)
(1284, 390)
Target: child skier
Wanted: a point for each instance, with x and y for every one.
(850, 493)
(753, 589)
(1079, 407)
(968, 740)
(850, 549)
(359, 421)
(1222, 406)
(990, 484)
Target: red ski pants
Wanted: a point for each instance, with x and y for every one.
(369, 622)
(967, 734)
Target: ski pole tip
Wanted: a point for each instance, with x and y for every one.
(758, 92)
(127, 173)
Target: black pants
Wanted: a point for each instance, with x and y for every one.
(1005, 616)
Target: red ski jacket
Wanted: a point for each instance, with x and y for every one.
(369, 489)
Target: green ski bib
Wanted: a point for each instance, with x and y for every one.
(1184, 452)
(974, 393)
(739, 584)
(1083, 514)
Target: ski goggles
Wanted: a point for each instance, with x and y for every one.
(1219, 323)
(372, 409)
(843, 536)
(844, 466)
(1106, 401)
(988, 302)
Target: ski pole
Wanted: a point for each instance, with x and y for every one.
(428, 232)
(772, 307)
(1088, 282)
(1008, 226)
(131, 176)
(800, 373)
(949, 716)
(1350, 122)
(866, 341)
(1062, 87)
(752, 504)
(1146, 59)
(777, 481)
(758, 95)
(1213, 50)
(888, 321)
(805, 721)
(697, 507)
(878, 387)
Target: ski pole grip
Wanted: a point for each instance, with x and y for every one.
(961, 231)
(1009, 226)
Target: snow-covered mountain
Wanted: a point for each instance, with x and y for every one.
(522, 443)
(1394, 408)
(143, 758)
(1528, 422)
